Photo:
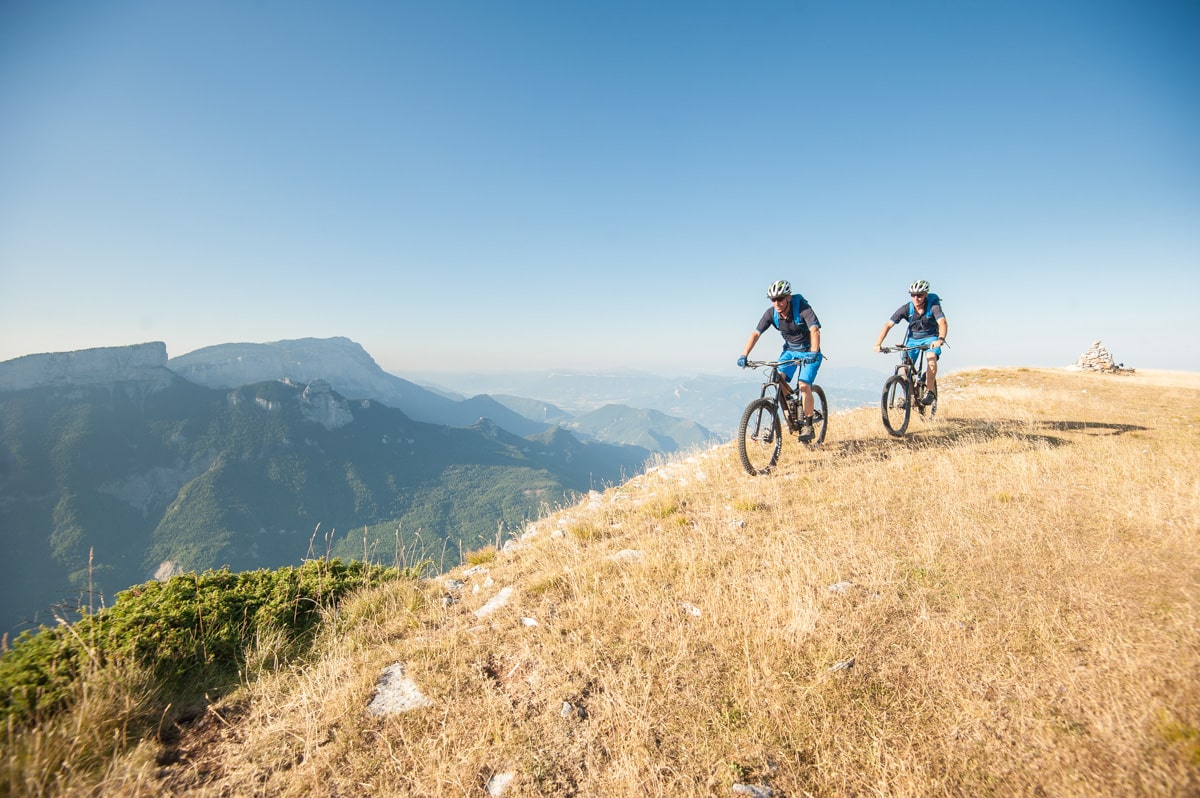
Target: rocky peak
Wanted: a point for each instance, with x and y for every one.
(141, 362)
(321, 405)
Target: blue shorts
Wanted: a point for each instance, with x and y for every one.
(808, 363)
(937, 350)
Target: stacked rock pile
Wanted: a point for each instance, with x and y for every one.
(1097, 358)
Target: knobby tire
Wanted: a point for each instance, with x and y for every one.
(820, 416)
(896, 405)
(760, 437)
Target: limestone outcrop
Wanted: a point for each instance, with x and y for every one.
(141, 362)
(321, 405)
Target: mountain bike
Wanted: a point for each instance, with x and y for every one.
(904, 389)
(760, 434)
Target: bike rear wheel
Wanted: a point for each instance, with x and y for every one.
(896, 405)
(820, 416)
(760, 437)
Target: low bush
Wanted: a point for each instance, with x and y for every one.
(189, 633)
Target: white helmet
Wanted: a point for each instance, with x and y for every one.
(779, 289)
(919, 287)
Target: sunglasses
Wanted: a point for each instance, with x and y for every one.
(921, 294)
(778, 298)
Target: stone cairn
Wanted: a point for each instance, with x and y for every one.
(1097, 358)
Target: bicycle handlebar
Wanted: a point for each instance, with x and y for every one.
(754, 364)
(902, 348)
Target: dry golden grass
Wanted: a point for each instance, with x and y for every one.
(1005, 602)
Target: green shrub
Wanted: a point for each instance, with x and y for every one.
(190, 633)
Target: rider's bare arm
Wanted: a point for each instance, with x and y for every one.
(887, 325)
(750, 343)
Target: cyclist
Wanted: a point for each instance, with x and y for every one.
(926, 325)
(798, 324)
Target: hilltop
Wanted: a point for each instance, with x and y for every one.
(1003, 602)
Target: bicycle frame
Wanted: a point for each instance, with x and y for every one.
(771, 387)
(912, 363)
(903, 390)
(760, 434)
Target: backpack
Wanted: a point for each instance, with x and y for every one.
(930, 301)
(797, 303)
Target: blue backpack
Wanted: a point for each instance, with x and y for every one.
(797, 303)
(930, 301)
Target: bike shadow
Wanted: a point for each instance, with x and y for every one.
(951, 431)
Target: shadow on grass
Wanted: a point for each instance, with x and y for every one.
(1091, 427)
(949, 432)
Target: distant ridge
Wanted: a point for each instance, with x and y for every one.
(348, 369)
(647, 428)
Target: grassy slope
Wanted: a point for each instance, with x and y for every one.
(1023, 618)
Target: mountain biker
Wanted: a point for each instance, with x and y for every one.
(801, 330)
(926, 325)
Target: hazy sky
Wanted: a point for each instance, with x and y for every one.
(549, 183)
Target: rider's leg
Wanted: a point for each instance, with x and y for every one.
(807, 398)
(931, 373)
(786, 373)
(804, 380)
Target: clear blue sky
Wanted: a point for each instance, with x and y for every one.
(530, 184)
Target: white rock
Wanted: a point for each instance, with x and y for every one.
(395, 693)
(496, 602)
(499, 783)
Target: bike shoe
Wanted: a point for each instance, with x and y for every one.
(806, 431)
(929, 398)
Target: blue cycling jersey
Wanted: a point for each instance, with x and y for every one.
(921, 325)
(794, 327)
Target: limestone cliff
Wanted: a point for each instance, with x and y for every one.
(141, 362)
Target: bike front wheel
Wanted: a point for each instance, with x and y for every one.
(820, 416)
(896, 405)
(760, 437)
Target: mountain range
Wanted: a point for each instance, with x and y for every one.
(119, 464)
(107, 484)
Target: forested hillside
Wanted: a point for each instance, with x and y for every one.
(105, 485)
